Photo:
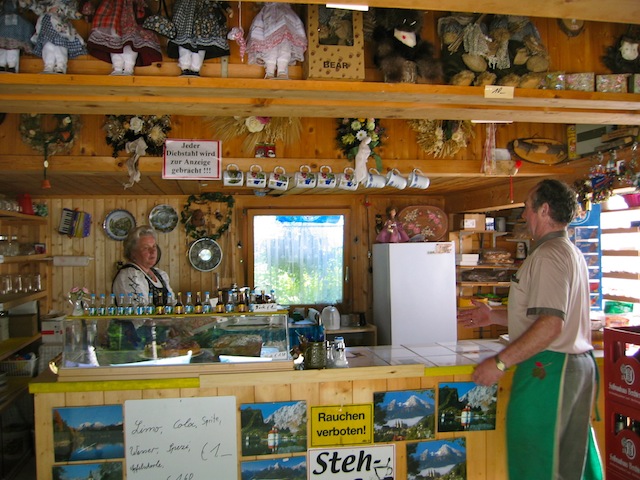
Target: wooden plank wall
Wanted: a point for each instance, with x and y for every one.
(485, 449)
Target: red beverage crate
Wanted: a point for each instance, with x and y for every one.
(622, 366)
(622, 460)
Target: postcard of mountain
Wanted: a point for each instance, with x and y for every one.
(442, 459)
(98, 471)
(270, 428)
(465, 406)
(292, 468)
(88, 433)
(404, 415)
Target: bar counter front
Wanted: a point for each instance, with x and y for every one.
(392, 413)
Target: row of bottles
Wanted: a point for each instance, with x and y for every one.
(137, 306)
(626, 423)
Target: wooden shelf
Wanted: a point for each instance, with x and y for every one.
(14, 345)
(486, 266)
(209, 96)
(622, 299)
(6, 215)
(23, 258)
(621, 253)
(13, 300)
(620, 230)
(484, 284)
(622, 275)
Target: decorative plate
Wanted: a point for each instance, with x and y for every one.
(424, 223)
(205, 254)
(163, 218)
(118, 224)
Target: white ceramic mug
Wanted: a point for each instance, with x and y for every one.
(305, 178)
(232, 176)
(347, 179)
(278, 179)
(418, 180)
(326, 179)
(375, 180)
(256, 178)
(394, 179)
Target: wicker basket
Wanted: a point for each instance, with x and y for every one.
(20, 368)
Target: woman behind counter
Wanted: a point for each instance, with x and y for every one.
(139, 275)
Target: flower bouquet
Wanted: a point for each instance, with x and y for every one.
(122, 129)
(442, 138)
(78, 297)
(351, 131)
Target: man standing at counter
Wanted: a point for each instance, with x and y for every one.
(548, 418)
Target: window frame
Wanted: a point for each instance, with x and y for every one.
(346, 253)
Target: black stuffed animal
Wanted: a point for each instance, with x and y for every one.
(400, 53)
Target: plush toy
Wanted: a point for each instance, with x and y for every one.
(624, 57)
(201, 27)
(400, 53)
(15, 36)
(276, 39)
(55, 39)
(117, 36)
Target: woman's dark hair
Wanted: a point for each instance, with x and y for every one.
(131, 242)
(561, 198)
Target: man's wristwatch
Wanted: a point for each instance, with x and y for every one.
(500, 364)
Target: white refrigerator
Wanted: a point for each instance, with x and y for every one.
(414, 293)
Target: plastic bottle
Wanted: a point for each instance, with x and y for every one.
(112, 308)
(178, 309)
(128, 307)
(188, 305)
(141, 305)
(197, 307)
(92, 308)
(168, 307)
(102, 307)
(148, 307)
(120, 310)
(206, 305)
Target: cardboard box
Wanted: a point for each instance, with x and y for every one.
(468, 221)
(336, 44)
(23, 325)
(52, 331)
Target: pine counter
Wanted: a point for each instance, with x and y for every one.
(372, 372)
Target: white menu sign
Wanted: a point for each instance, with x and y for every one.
(192, 160)
(181, 438)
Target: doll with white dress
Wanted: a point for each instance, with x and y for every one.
(117, 36)
(276, 40)
(15, 36)
(56, 39)
(201, 27)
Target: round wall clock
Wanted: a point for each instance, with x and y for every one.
(205, 254)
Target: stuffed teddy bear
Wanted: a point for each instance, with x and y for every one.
(624, 57)
(400, 53)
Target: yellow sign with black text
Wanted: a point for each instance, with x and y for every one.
(342, 425)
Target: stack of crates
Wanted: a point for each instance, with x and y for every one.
(622, 402)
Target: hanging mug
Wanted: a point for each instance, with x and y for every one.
(256, 178)
(232, 176)
(394, 179)
(278, 179)
(305, 178)
(326, 179)
(374, 179)
(347, 180)
(418, 180)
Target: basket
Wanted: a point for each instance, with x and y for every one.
(20, 368)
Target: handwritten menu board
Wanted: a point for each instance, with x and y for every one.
(181, 438)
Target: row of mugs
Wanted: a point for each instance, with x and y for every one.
(323, 179)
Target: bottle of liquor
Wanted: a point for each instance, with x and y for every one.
(241, 303)
(197, 307)
(112, 308)
(159, 308)
(128, 307)
(102, 307)
(206, 305)
(220, 304)
(92, 308)
(141, 305)
(620, 423)
(188, 304)
(121, 307)
(168, 307)
(178, 309)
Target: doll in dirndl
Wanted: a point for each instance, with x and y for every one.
(56, 40)
(276, 40)
(15, 36)
(392, 231)
(117, 36)
(201, 27)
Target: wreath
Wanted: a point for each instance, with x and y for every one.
(60, 139)
(123, 129)
(442, 138)
(195, 221)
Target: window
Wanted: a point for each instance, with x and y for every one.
(300, 255)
